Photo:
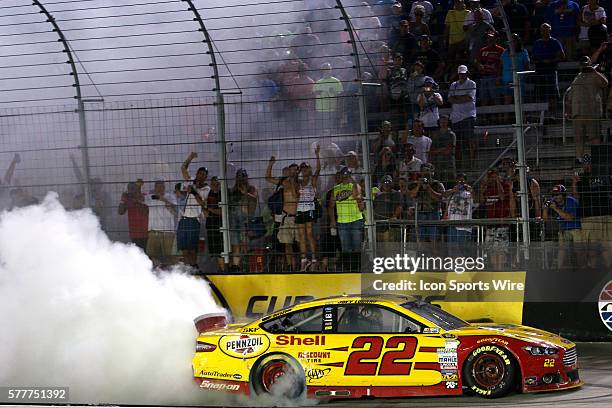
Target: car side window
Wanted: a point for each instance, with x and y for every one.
(373, 319)
(301, 321)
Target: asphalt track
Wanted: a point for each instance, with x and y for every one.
(595, 361)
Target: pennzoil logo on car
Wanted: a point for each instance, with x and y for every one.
(605, 305)
(244, 345)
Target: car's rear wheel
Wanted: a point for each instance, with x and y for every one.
(279, 375)
(489, 371)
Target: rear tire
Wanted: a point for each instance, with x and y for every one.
(489, 371)
(267, 374)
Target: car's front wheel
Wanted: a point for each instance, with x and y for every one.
(279, 375)
(489, 371)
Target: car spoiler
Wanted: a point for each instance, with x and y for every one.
(211, 321)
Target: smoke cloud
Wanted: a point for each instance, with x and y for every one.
(82, 311)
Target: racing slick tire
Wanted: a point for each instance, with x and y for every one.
(489, 371)
(271, 368)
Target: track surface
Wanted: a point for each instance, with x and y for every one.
(595, 361)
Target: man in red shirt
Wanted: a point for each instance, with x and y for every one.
(488, 65)
(497, 197)
(132, 202)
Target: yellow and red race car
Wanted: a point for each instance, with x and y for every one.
(383, 346)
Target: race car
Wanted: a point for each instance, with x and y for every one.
(382, 346)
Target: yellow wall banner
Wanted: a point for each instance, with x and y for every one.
(473, 296)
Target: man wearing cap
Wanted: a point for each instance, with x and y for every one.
(488, 64)
(188, 232)
(384, 139)
(566, 210)
(563, 16)
(594, 193)
(547, 53)
(429, 102)
(387, 206)
(403, 42)
(586, 95)
(462, 96)
(347, 201)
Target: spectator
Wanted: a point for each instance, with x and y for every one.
(243, 201)
(352, 162)
(421, 6)
(21, 198)
(385, 61)
(162, 218)
(384, 139)
(385, 165)
(367, 23)
(563, 16)
(214, 238)
(566, 210)
(387, 206)
(421, 143)
(547, 53)
(418, 26)
(462, 96)
(454, 35)
(592, 27)
(396, 80)
(180, 197)
(414, 85)
(327, 89)
(594, 194)
(287, 232)
(428, 194)
(470, 19)
(518, 18)
(330, 241)
(132, 202)
(460, 206)
(304, 44)
(429, 101)
(539, 17)
(522, 64)
(603, 58)
(188, 233)
(433, 64)
(586, 99)
(410, 164)
(306, 209)
(300, 86)
(347, 200)
(488, 64)
(443, 151)
(477, 35)
(408, 202)
(499, 202)
(403, 42)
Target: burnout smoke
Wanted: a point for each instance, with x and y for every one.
(81, 311)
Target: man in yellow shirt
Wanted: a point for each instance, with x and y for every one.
(454, 34)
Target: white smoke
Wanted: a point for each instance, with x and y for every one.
(81, 311)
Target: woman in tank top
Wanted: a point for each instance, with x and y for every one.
(305, 217)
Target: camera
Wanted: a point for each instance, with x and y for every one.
(547, 203)
(155, 197)
(425, 180)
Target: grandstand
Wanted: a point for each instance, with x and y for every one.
(237, 82)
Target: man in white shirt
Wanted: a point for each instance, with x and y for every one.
(469, 19)
(188, 233)
(162, 213)
(421, 143)
(410, 165)
(462, 96)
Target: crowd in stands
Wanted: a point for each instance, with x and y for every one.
(427, 56)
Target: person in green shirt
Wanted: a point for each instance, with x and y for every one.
(347, 201)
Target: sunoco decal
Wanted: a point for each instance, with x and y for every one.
(605, 305)
(244, 345)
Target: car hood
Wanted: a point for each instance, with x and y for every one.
(518, 332)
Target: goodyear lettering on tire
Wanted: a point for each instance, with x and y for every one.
(495, 349)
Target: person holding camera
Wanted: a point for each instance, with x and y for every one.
(188, 233)
(566, 210)
(428, 194)
(460, 206)
(162, 215)
(585, 107)
(132, 203)
(429, 101)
